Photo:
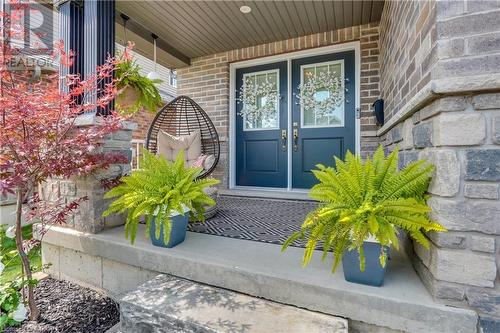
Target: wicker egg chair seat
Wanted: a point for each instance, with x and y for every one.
(180, 117)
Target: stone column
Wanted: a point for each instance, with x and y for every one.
(460, 135)
(88, 217)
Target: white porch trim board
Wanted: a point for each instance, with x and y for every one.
(349, 46)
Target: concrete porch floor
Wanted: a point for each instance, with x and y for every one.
(107, 260)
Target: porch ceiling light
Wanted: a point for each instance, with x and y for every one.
(245, 9)
(154, 74)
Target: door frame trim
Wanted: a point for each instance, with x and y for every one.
(350, 46)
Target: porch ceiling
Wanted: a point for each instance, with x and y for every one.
(197, 28)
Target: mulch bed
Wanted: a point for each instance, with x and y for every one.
(66, 307)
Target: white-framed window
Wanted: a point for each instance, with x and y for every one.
(173, 78)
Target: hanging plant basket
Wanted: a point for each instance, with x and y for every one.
(327, 82)
(135, 91)
(127, 100)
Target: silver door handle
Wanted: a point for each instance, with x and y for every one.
(295, 139)
(283, 140)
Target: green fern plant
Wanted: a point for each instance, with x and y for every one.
(367, 198)
(156, 191)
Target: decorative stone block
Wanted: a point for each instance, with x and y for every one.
(482, 164)
(481, 5)
(482, 244)
(422, 135)
(489, 325)
(445, 104)
(67, 188)
(495, 133)
(484, 299)
(445, 290)
(452, 129)
(463, 267)
(423, 253)
(406, 157)
(123, 136)
(450, 239)
(446, 179)
(468, 25)
(486, 101)
(481, 191)
(449, 8)
(439, 289)
(483, 216)
(397, 134)
(483, 44)
(407, 134)
(450, 48)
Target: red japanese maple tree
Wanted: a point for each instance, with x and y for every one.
(40, 137)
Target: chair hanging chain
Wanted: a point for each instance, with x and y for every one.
(125, 19)
(154, 51)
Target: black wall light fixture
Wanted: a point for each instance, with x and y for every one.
(378, 108)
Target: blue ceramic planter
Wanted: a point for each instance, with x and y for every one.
(374, 273)
(177, 232)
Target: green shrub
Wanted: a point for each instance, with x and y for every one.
(367, 198)
(158, 189)
(11, 281)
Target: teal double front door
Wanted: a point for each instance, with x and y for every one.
(287, 123)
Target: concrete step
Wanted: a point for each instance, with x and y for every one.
(170, 304)
(108, 261)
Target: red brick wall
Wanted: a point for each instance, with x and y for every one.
(407, 51)
(207, 79)
(143, 119)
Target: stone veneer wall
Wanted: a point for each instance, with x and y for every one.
(207, 80)
(460, 135)
(453, 121)
(88, 217)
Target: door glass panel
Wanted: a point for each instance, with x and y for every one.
(314, 115)
(264, 101)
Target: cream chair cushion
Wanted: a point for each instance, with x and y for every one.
(169, 146)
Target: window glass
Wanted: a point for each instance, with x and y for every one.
(268, 119)
(311, 116)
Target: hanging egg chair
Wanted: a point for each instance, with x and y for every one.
(181, 117)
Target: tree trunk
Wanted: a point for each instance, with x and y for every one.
(34, 312)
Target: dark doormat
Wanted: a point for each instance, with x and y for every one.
(261, 220)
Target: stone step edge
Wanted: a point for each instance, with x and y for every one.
(171, 302)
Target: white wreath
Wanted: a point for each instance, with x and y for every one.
(325, 81)
(248, 95)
